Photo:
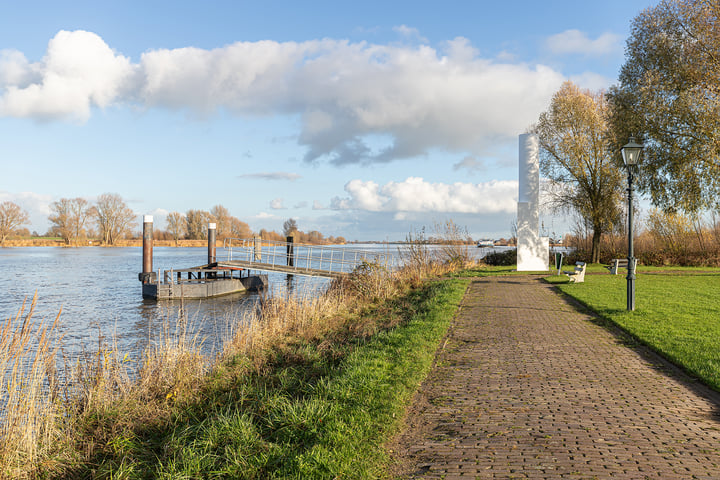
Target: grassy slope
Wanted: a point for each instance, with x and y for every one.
(677, 313)
(318, 409)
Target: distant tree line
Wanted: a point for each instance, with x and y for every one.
(109, 219)
(193, 226)
(76, 220)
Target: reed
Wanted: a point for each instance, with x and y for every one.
(29, 391)
(108, 405)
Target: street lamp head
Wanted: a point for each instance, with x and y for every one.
(631, 153)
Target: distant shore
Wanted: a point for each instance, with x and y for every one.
(49, 242)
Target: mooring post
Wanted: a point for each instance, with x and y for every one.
(257, 249)
(212, 229)
(290, 251)
(147, 271)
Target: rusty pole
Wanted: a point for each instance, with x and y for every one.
(147, 249)
(212, 229)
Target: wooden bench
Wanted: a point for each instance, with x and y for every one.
(577, 275)
(618, 263)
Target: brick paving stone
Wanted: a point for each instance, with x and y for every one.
(527, 386)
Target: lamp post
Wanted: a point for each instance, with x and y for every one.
(631, 155)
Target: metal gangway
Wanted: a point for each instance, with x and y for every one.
(296, 258)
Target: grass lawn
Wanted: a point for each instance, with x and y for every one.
(677, 312)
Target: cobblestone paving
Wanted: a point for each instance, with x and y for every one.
(528, 387)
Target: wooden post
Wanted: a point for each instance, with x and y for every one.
(290, 251)
(257, 249)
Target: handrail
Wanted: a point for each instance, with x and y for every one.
(298, 257)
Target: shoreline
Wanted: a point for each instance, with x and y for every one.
(42, 242)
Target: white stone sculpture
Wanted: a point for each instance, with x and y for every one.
(533, 251)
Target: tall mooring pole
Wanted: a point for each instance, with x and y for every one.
(147, 267)
(212, 229)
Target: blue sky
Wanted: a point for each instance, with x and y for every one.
(362, 119)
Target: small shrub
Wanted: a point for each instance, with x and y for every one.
(501, 259)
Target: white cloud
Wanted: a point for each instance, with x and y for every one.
(277, 204)
(471, 164)
(419, 97)
(318, 206)
(16, 70)
(272, 176)
(416, 195)
(78, 72)
(577, 42)
(410, 33)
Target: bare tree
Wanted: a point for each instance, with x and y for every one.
(114, 218)
(240, 229)
(289, 227)
(80, 210)
(177, 225)
(69, 216)
(11, 217)
(196, 221)
(221, 216)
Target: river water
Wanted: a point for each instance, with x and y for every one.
(98, 291)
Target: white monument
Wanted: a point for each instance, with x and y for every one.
(533, 251)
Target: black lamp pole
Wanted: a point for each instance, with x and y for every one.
(631, 252)
(631, 155)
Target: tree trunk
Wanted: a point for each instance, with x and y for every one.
(595, 254)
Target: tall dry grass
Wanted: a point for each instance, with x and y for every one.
(662, 238)
(50, 425)
(29, 391)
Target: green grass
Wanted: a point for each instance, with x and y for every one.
(487, 271)
(317, 409)
(677, 312)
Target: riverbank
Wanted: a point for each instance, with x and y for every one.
(292, 381)
(50, 242)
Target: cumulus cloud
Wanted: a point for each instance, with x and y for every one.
(577, 42)
(471, 164)
(419, 97)
(271, 176)
(79, 71)
(277, 204)
(410, 33)
(416, 195)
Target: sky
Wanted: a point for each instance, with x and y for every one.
(369, 120)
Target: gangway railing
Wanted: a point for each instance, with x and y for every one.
(297, 258)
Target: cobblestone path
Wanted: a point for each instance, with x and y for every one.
(526, 386)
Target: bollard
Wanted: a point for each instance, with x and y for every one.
(257, 249)
(147, 268)
(290, 251)
(212, 229)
